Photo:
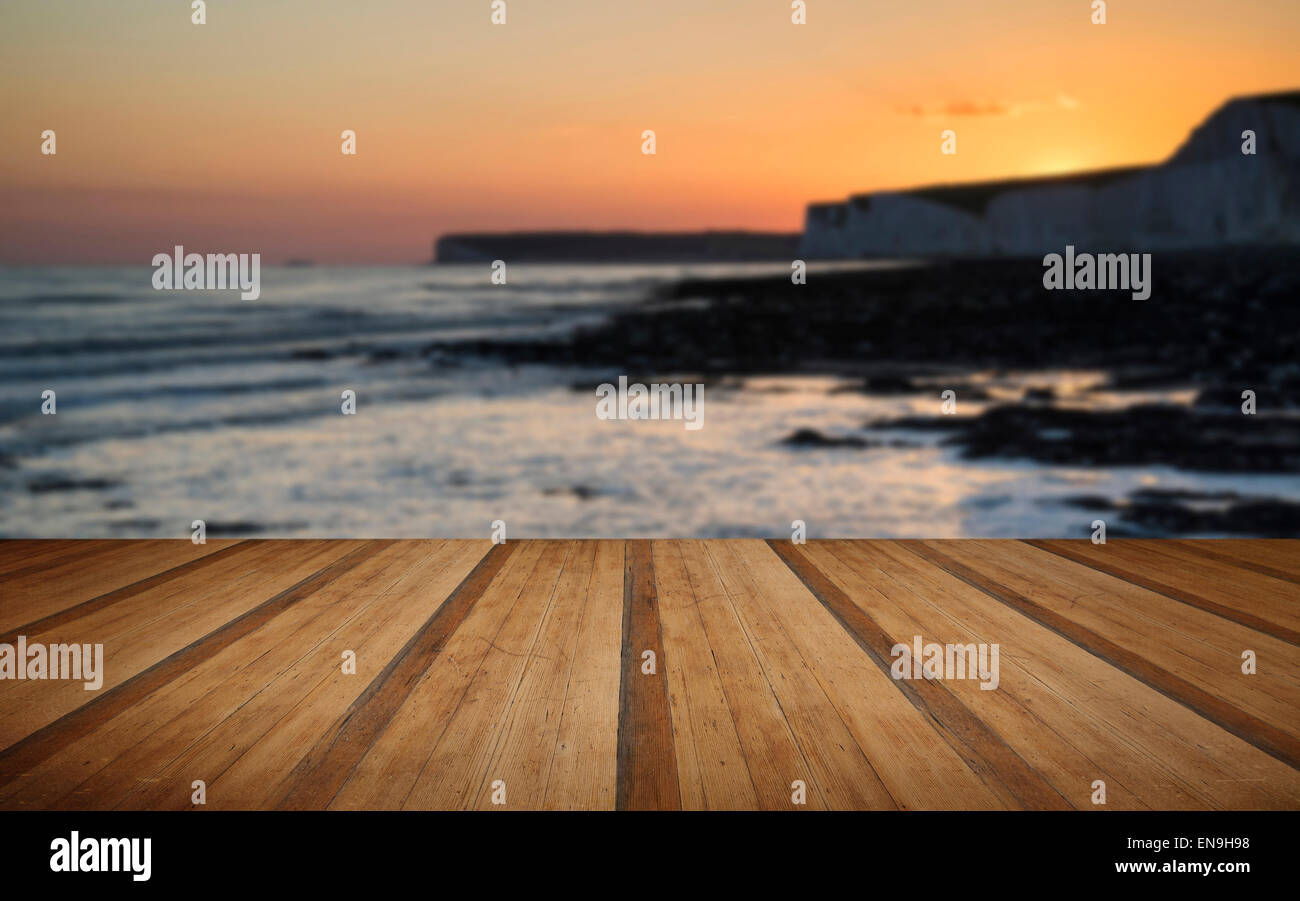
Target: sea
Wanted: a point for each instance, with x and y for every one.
(176, 406)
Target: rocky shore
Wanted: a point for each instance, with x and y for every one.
(1216, 321)
(1216, 324)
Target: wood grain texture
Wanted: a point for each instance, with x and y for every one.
(712, 770)
(1071, 716)
(1276, 557)
(67, 615)
(1240, 594)
(511, 676)
(584, 767)
(321, 772)
(985, 753)
(104, 707)
(1191, 655)
(92, 574)
(773, 752)
(647, 759)
(158, 729)
(386, 774)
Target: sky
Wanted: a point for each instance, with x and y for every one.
(225, 137)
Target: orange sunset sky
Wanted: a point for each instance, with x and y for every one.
(225, 137)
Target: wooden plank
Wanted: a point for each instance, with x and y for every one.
(105, 706)
(137, 610)
(812, 703)
(772, 666)
(457, 770)
(141, 630)
(22, 557)
(894, 610)
(136, 636)
(315, 780)
(525, 745)
(183, 706)
(386, 772)
(772, 752)
(647, 760)
(1070, 715)
(711, 765)
(14, 552)
(84, 609)
(1261, 602)
(384, 776)
(41, 590)
(64, 558)
(929, 749)
(584, 768)
(376, 635)
(1276, 557)
(159, 768)
(1190, 655)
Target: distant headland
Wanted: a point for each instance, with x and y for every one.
(617, 247)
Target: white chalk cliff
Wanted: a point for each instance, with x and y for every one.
(1208, 194)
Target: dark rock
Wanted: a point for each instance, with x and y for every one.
(886, 385)
(52, 483)
(240, 527)
(581, 492)
(811, 438)
(1226, 316)
(1143, 435)
(1176, 512)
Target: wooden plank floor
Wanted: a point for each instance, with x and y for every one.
(693, 674)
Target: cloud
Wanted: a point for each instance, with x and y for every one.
(953, 108)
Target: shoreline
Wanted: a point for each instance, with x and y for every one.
(1217, 324)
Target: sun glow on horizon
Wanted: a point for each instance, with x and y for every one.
(229, 132)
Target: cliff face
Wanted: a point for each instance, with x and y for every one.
(1207, 194)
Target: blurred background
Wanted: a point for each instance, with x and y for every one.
(475, 400)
